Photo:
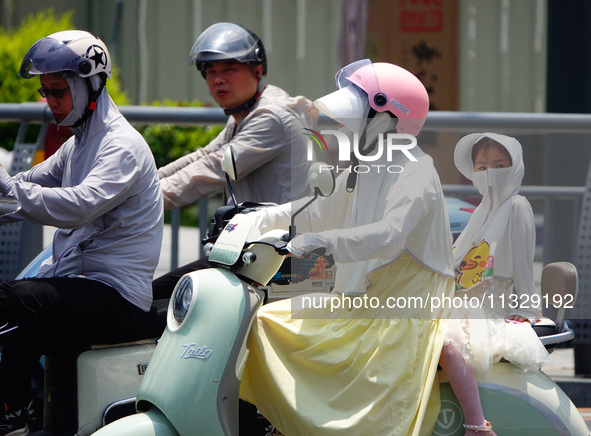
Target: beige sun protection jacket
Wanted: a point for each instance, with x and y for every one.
(270, 149)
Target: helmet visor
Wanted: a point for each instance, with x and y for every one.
(223, 41)
(49, 55)
(348, 106)
(346, 75)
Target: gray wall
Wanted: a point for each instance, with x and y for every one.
(150, 40)
(502, 45)
(503, 55)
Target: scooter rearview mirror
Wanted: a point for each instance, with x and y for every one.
(322, 181)
(229, 167)
(229, 163)
(8, 206)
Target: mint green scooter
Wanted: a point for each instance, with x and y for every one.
(192, 383)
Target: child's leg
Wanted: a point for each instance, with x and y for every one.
(463, 382)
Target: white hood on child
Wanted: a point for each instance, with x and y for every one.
(491, 217)
(499, 184)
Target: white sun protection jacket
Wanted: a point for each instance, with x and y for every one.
(387, 214)
(101, 190)
(502, 225)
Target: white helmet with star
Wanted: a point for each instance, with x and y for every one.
(71, 52)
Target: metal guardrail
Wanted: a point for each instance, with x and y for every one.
(508, 121)
(437, 121)
(40, 113)
(461, 122)
(35, 113)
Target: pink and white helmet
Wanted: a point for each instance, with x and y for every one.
(387, 88)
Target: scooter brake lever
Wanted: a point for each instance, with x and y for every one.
(281, 248)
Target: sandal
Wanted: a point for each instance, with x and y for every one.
(272, 431)
(485, 428)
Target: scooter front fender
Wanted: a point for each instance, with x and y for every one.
(150, 423)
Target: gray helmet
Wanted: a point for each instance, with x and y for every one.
(227, 41)
(71, 52)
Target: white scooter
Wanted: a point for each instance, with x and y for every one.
(86, 385)
(192, 383)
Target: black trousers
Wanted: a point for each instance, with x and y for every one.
(51, 312)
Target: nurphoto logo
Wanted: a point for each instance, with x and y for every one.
(390, 144)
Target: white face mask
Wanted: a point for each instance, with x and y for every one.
(493, 182)
(79, 93)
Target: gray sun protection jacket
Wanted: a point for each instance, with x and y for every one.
(101, 190)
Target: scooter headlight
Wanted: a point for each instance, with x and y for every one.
(180, 304)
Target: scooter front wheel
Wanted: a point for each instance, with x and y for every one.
(150, 423)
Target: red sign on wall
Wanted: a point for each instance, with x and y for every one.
(421, 16)
(421, 36)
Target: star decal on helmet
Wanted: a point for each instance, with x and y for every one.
(97, 54)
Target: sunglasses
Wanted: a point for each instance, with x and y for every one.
(55, 93)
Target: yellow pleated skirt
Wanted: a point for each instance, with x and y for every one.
(351, 375)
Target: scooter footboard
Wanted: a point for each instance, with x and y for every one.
(150, 423)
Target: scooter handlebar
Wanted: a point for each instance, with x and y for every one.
(281, 247)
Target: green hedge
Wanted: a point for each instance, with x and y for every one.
(170, 142)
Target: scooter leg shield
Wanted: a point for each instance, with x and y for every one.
(516, 402)
(151, 423)
(199, 360)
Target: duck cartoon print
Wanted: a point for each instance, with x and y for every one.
(477, 264)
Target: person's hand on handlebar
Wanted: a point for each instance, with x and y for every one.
(306, 243)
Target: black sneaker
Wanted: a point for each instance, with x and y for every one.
(13, 423)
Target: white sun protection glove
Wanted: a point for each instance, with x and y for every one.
(306, 243)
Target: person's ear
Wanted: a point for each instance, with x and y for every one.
(258, 72)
